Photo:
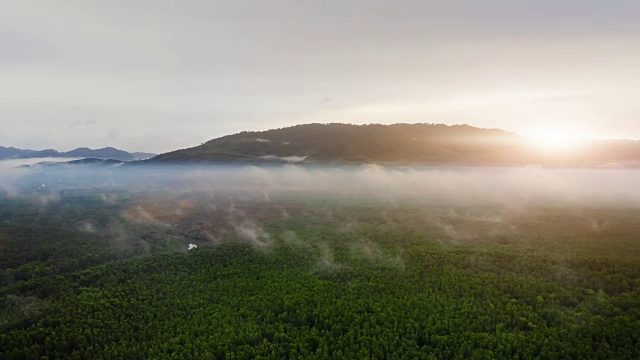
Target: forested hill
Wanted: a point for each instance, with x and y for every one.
(398, 144)
(344, 143)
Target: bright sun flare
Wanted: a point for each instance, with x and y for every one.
(556, 137)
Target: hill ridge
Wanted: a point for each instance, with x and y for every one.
(400, 143)
(80, 152)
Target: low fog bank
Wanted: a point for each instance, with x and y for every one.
(8, 164)
(446, 185)
(330, 216)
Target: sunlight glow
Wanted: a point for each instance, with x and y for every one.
(556, 137)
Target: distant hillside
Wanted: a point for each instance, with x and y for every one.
(10, 152)
(398, 144)
(344, 143)
(104, 153)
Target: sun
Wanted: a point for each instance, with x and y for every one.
(556, 137)
(555, 141)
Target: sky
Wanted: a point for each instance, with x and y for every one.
(157, 75)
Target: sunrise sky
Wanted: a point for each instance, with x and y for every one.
(152, 75)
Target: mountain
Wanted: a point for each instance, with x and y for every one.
(435, 144)
(105, 153)
(83, 152)
(10, 152)
(345, 143)
(41, 154)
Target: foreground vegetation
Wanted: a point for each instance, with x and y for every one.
(107, 275)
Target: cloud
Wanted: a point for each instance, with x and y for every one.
(207, 205)
(452, 185)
